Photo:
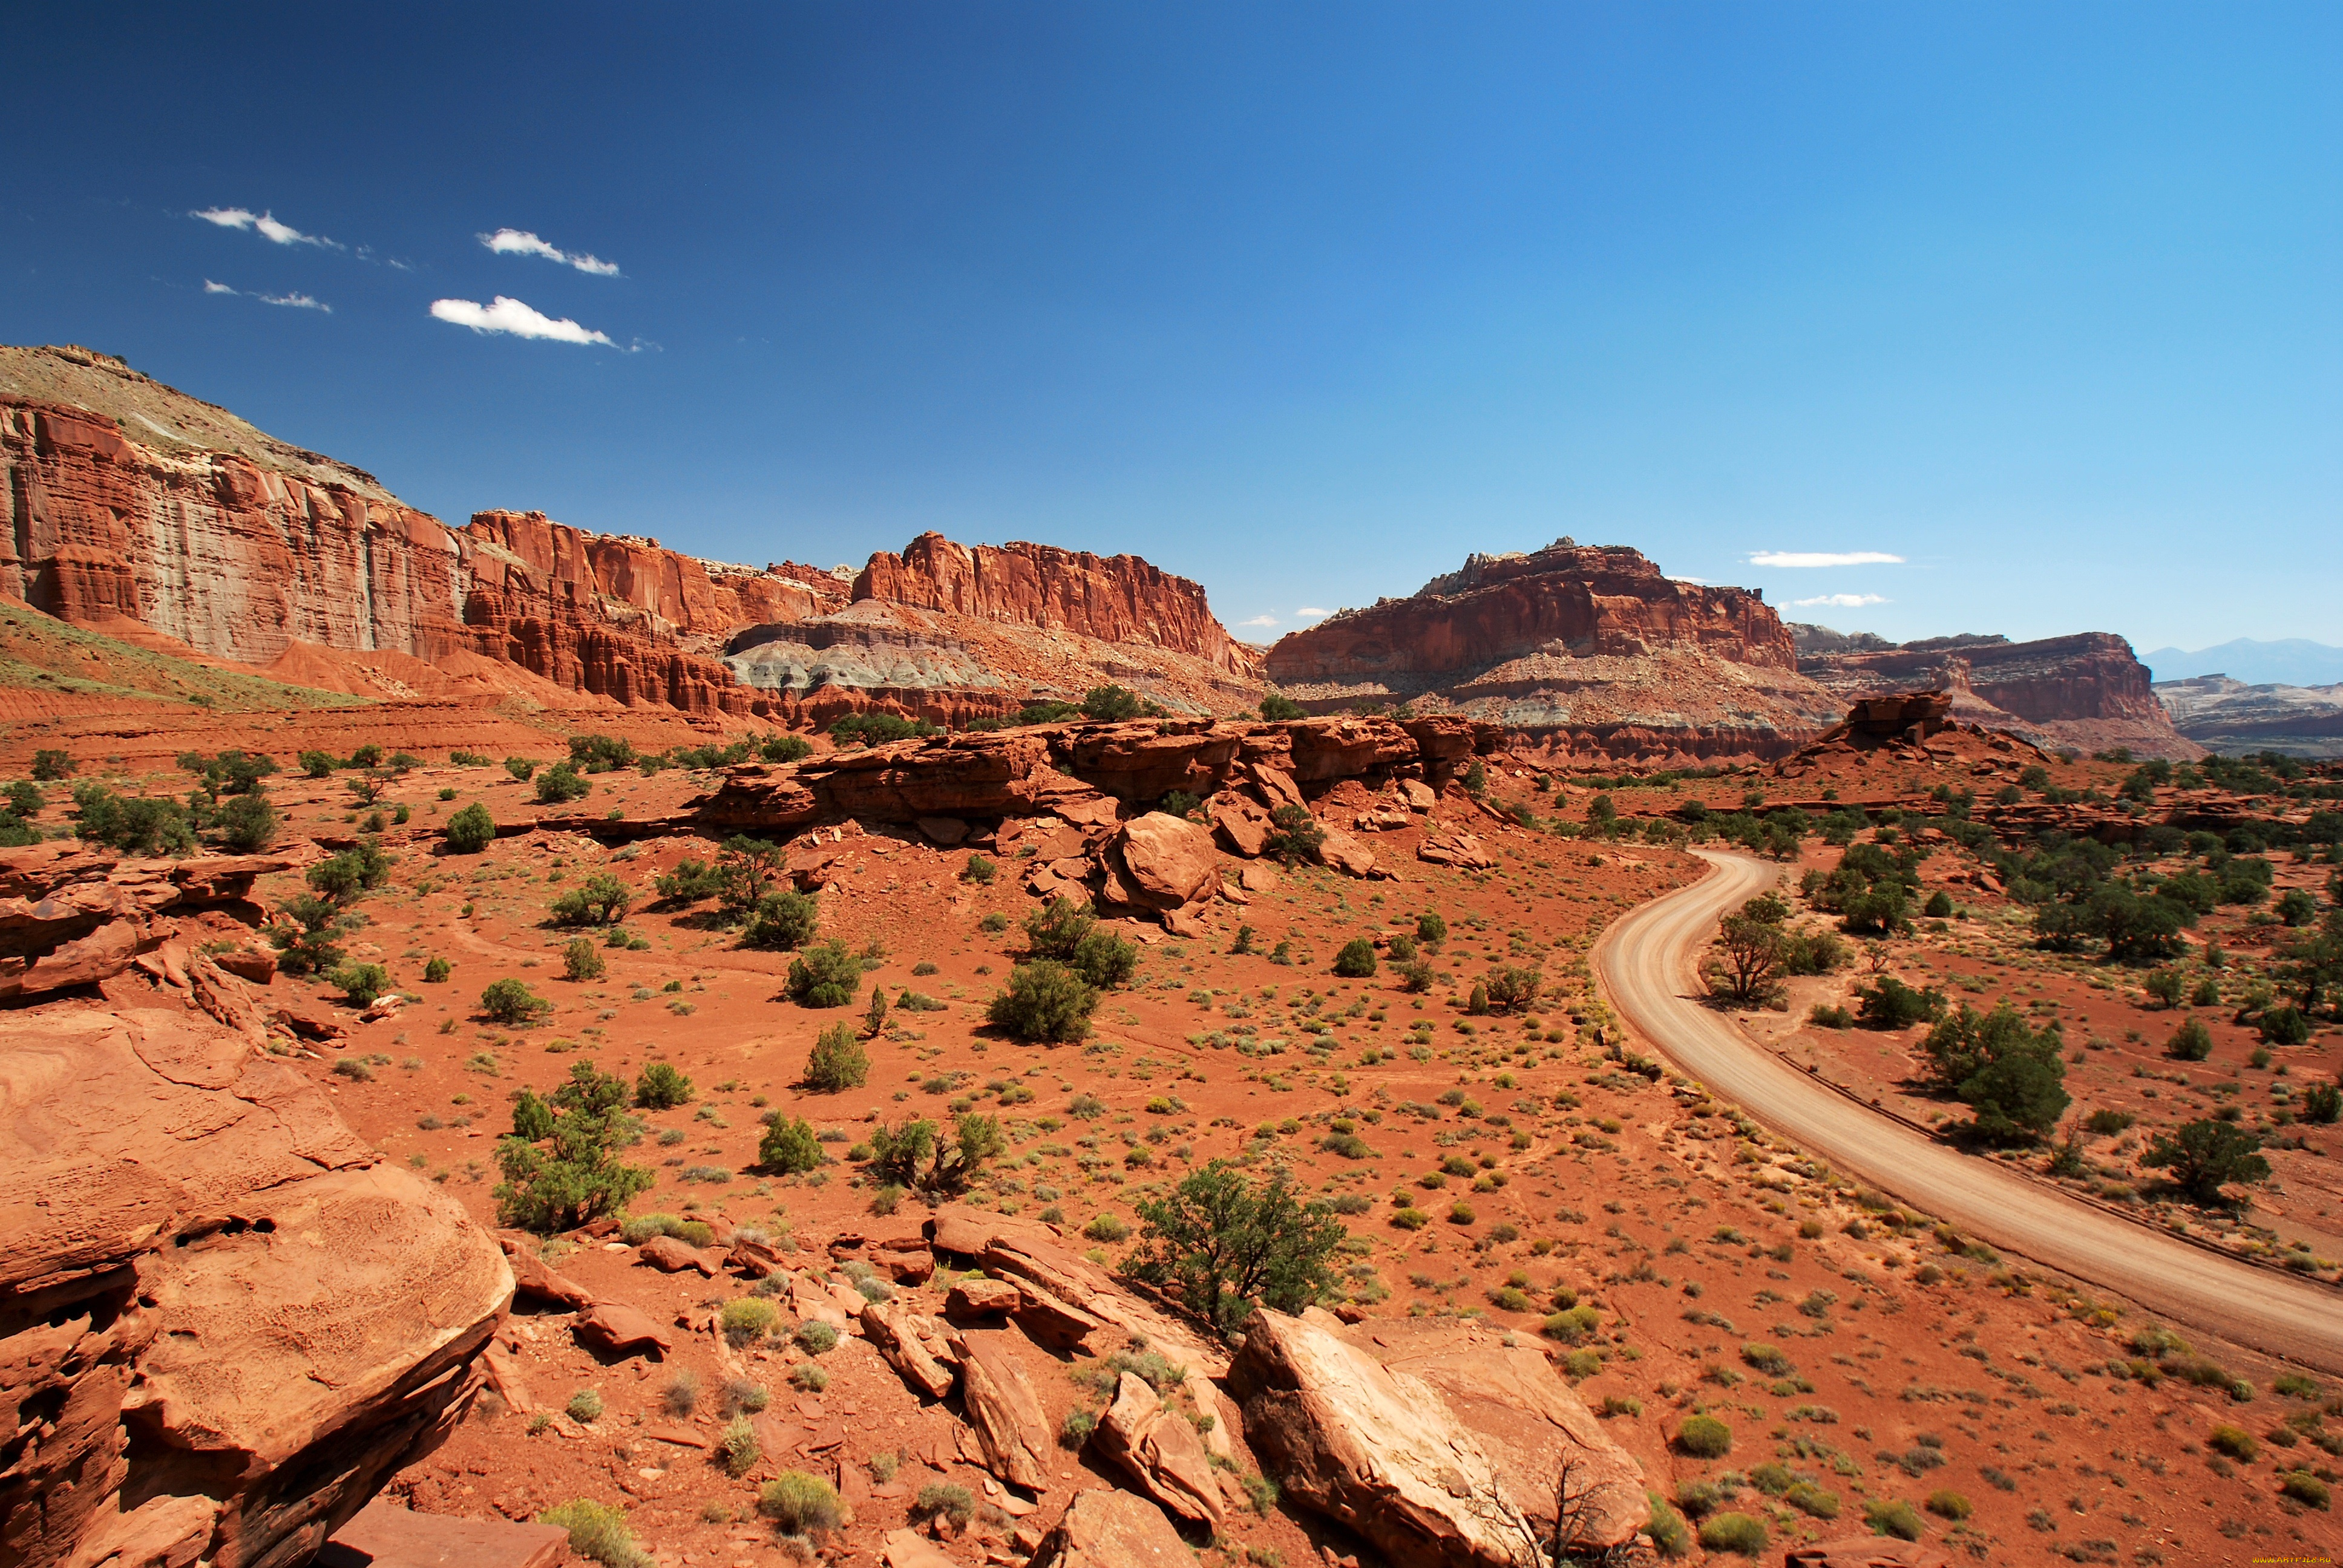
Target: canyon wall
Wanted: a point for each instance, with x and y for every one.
(1578, 649)
(1113, 599)
(127, 500)
(2086, 691)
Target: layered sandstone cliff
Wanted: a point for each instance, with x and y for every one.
(127, 500)
(1584, 649)
(2086, 691)
(2232, 717)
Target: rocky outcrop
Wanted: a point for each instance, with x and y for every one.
(2087, 691)
(1538, 1433)
(71, 916)
(1161, 1452)
(1110, 598)
(225, 1326)
(1584, 650)
(1003, 1412)
(2229, 716)
(1112, 1530)
(1375, 1448)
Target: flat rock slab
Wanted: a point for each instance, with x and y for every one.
(1112, 1530)
(383, 1535)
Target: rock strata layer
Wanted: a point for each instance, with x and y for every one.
(233, 1325)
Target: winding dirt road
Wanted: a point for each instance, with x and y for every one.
(1648, 966)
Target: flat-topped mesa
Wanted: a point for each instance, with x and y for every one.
(1567, 598)
(1113, 599)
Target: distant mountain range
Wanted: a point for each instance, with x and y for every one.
(2294, 661)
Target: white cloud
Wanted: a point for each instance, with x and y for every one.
(297, 301)
(264, 223)
(1260, 620)
(1840, 600)
(507, 314)
(1312, 614)
(520, 242)
(1825, 558)
(1696, 582)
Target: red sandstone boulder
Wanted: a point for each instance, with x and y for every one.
(385, 1535)
(1159, 1449)
(283, 1322)
(1240, 824)
(1003, 1412)
(1166, 860)
(1112, 1530)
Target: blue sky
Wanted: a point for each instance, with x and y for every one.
(1303, 302)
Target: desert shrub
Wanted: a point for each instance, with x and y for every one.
(1939, 905)
(579, 961)
(787, 1146)
(1219, 1241)
(561, 784)
(979, 870)
(785, 749)
(1666, 1528)
(510, 1001)
(1733, 1533)
(136, 824)
(1105, 960)
(597, 1532)
(784, 920)
(1076, 1429)
(826, 974)
(956, 1503)
(1045, 1000)
(601, 899)
(1294, 835)
(1949, 1505)
(560, 1162)
(691, 881)
(877, 729)
(1112, 704)
(343, 877)
(362, 984)
(1892, 1004)
(2305, 1487)
(1703, 1437)
(49, 765)
(2285, 1025)
(1513, 988)
(471, 829)
(736, 1448)
(747, 1319)
(837, 1062)
(1056, 930)
(1276, 707)
(2322, 1103)
(1810, 1499)
(661, 1087)
(1106, 1227)
(799, 1505)
(1893, 1516)
(2192, 1042)
(1431, 930)
(247, 824)
(1357, 959)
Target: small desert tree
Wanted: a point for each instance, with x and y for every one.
(2013, 1077)
(471, 830)
(2204, 1156)
(1749, 944)
(1045, 1001)
(826, 974)
(788, 1146)
(560, 1161)
(1220, 1242)
(919, 1157)
(1294, 835)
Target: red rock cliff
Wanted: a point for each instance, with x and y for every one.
(2087, 689)
(1584, 602)
(1113, 599)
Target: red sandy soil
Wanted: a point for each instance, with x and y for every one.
(1911, 1368)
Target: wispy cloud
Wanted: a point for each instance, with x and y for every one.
(294, 301)
(1696, 582)
(520, 242)
(263, 224)
(507, 314)
(1840, 600)
(1308, 613)
(1260, 620)
(1825, 558)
